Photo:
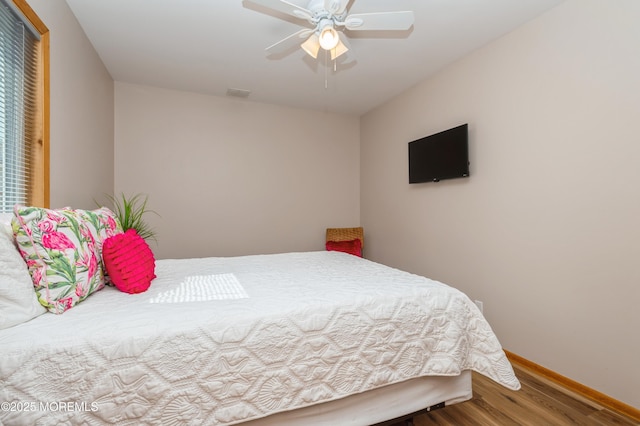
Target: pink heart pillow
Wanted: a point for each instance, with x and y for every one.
(352, 246)
(129, 261)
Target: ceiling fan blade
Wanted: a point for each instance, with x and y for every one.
(292, 40)
(284, 7)
(335, 7)
(312, 45)
(393, 21)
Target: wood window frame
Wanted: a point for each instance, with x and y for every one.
(39, 190)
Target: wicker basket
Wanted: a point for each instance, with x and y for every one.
(345, 234)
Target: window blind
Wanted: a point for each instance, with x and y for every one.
(19, 112)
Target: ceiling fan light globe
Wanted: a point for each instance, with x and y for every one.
(311, 46)
(329, 38)
(339, 50)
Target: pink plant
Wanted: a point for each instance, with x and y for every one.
(80, 290)
(86, 233)
(36, 276)
(66, 303)
(111, 226)
(90, 262)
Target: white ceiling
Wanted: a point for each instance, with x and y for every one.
(209, 46)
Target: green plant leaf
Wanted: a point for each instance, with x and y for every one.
(130, 212)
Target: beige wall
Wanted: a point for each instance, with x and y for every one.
(546, 230)
(81, 111)
(228, 176)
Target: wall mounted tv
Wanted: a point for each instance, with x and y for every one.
(444, 155)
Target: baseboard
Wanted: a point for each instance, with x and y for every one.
(576, 387)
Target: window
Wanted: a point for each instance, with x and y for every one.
(24, 107)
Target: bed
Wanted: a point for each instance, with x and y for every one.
(314, 338)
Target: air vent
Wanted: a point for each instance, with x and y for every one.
(238, 93)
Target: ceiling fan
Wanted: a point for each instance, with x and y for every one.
(327, 19)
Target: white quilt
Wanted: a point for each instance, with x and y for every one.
(225, 340)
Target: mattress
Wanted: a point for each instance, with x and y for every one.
(227, 340)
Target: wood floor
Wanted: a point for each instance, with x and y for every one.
(539, 403)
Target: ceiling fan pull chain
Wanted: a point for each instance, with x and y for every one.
(326, 70)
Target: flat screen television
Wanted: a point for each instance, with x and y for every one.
(444, 155)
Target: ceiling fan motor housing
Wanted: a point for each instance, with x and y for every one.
(322, 9)
(333, 6)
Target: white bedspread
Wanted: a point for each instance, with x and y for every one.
(224, 340)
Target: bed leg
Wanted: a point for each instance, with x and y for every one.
(408, 422)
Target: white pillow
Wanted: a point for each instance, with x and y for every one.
(5, 218)
(18, 299)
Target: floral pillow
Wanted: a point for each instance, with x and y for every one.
(63, 251)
